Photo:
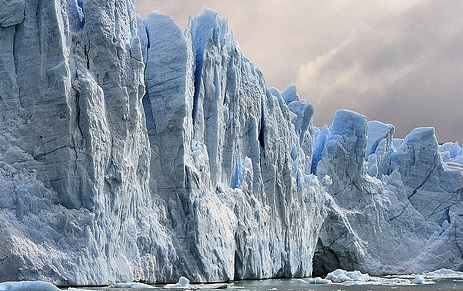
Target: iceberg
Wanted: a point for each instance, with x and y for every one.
(131, 286)
(420, 280)
(28, 285)
(341, 276)
(344, 277)
(443, 273)
(148, 153)
(319, 281)
(182, 283)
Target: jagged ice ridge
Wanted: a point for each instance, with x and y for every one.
(133, 151)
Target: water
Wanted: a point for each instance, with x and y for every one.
(299, 285)
(296, 285)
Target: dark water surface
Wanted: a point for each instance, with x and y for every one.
(296, 285)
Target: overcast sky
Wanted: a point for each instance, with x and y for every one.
(397, 61)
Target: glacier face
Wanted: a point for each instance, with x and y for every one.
(400, 217)
(220, 139)
(148, 153)
(75, 153)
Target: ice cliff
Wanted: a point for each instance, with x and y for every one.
(397, 207)
(133, 151)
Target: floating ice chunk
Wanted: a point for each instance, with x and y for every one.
(340, 276)
(28, 285)
(183, 282)
(319, 281)
(132, 286)
(444, 273)
(419, 280)
(358, 278)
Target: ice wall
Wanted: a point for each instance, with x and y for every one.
(206, 173)
(75, 203)
(232, 156)
(396, 209)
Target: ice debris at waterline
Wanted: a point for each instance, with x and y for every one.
(443, 273)
(28, 285)
(184, 283)
(357, 278)
(131, 286)
(135, 152)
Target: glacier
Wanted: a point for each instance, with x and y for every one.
(133, 151)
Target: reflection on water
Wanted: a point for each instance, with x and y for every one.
(298, 284)
(295, 285)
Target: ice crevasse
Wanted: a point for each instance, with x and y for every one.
(147, 153)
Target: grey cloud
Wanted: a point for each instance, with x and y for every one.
(278, 36)
(406, 71)
(396, 61)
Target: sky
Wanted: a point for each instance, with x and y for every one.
(397, 61)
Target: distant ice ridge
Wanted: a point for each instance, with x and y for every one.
(148, 153)
(397, 206)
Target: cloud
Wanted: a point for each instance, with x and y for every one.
(404, 69)
(398, 61)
